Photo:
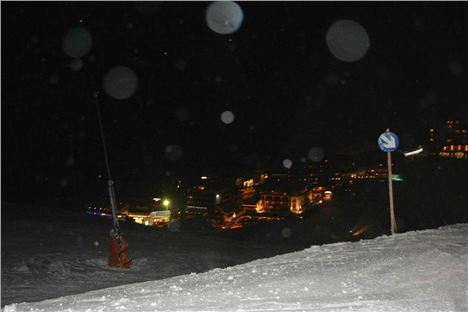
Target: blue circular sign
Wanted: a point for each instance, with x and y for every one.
(388, 141)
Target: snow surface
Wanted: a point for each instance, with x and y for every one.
(415, 271)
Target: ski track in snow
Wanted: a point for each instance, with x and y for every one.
(414, 271)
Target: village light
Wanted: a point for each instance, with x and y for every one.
(415, 152)
(166, 203)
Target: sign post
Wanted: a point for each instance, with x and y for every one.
(388, 142)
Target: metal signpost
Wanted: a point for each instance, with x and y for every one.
(388, 142)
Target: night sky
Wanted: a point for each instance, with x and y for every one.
(287, 91)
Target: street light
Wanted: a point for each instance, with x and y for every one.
(415, 152)
(166, 203)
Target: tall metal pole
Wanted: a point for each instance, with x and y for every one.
(110, 183)
(393, 226)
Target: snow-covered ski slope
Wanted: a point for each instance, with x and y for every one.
(415, 271)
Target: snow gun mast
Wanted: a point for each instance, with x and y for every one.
(118, 256)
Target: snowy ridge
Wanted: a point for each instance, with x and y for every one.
(414, 271)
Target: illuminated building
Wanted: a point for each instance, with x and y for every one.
(289, 195)
(212, 199)
(273, 201)
(232, 204)
(455, 141)
(298, 204)
(159, 217)
(151, 218)
(377, 173)
(200, 200)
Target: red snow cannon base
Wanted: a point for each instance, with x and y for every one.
(118, 256)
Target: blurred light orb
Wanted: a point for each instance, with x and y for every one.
(173, 152)
(431, 98)
(70, 161)
(224, 17)
(332, 79)
(227, 117)
(120, 82)
(316, 154)
(232, 47)
(34, 39)
(233, 148)
(147, 7)
(347, 40)
(420, 24)
(53, 79)
(286, 232)
(77, 42)
(456, 68)
(318, 103)
(96, 244)
(183, 114)
(76, 64)
(181, 65)
(287, 163)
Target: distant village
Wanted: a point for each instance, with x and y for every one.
(230, 203)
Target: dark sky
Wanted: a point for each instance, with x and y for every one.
(287, 91)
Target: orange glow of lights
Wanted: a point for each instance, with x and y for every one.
(360, 231)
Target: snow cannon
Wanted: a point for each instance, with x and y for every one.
(118, 255)
(118, 246)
